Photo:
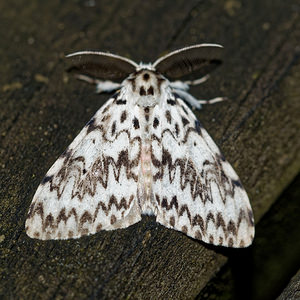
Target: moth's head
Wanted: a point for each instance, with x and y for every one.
(147, 83)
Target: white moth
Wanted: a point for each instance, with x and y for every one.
(144, 152)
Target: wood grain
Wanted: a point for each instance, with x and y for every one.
(42, 110)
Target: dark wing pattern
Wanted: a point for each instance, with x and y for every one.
(90, 187)
(195, 189)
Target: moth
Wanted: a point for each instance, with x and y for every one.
(144, 152)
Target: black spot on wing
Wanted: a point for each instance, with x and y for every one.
(67, 153)
(91, 121)
(198, 126)
(106, 109)
(123, 116)
(47, 179)
(184, 109)
(250, 216)
(115, 95)
(177, 130)
(121, 102)
(184, 121)
(168, 116)
(113, 128)
(155, 122)
(136, 123)
(220, 157)
(90, 125)
(237, 183)
(171, 102)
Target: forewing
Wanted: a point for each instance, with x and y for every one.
(195, 189)
(93, 184)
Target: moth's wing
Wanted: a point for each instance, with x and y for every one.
(93, 184)
(101, 65)
(190, 63)
(195, 189)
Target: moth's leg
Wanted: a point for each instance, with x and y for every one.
(102, 86)
(213, 100)
(195, 103)
(197, 81)
(107, 86)
(179, 85)
(185, 85)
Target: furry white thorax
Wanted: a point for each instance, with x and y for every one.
(148, 66)
(146, 88)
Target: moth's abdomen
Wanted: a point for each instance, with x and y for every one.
(146, 169)
(145, 159)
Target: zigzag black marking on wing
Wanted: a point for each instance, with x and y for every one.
(167, 130)
(49, 221)
(200, 183)
(86, 179)
(229, 228)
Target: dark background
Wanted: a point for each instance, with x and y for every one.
(42, 108)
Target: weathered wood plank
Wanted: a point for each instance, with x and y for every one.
(258, 130)
(292, 291)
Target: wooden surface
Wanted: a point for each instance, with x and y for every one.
(292, 291)
(42, 110)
